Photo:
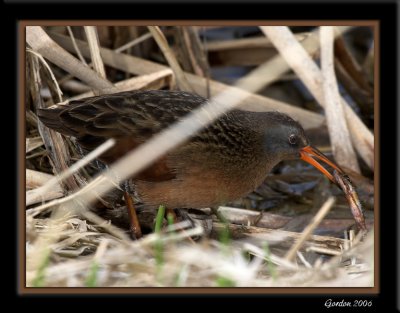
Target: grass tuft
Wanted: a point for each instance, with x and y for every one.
(91, 280)
(40, 275)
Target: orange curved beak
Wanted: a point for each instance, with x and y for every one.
(306, 154)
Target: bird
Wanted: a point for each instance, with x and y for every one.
(223, 162)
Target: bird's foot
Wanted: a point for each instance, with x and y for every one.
(196, 218)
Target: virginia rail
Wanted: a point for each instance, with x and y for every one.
(225, 161)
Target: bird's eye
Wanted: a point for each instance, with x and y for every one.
(293, 139)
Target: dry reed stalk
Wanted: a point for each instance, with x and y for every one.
(36, 179)
(253, 218)
(40, 42)
(351, 65)
(31, 118)
(196, 53)
(58, 152)
(133, 42)
(155, 80)
(33, 143)
(363, 99)
(139, 66)
(75, 86)
(37, 193)
(53, 79)
(78, 52)
(300, 61)
(342, 147)
(193, 49)
(310, 228)
(276, 236)
(131, 264)
(162, 42)
(93, 41)
(247, 43)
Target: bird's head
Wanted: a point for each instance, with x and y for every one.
(285, 138)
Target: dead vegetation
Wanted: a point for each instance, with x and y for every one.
(296, 231)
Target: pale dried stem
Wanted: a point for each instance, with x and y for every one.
(310, 228)
(58, 152)
(53, 79)
(299, 60)
(93, 41)
(192, 53)
(155, 80)
(38, 193)
(181, 79)
(133, 42)
(40, 42)
(36, 179)
(342, 147)
(33, 143)
(98, 66)
(246, 43)
(274, 236)
(253, 102)
(78, 52)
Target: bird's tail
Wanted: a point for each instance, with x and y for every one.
(51, 118)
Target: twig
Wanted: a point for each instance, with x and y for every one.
(310, 228)
(58, 152)
(33, 143)
(156, 80)
(171, 59)
(197, 54)
(41, 191)
(323, 250)
(253, 249)
(93, 40)
(253, 218)
(193, 50)
(98, 66)
(36, 179)
(276, 236)
(31, 118)
(253, 102)
(342, 148)
(368, 65)
(300, 61)
(364, 100)
(134, 42)
(53, 79)
(303, 259)
(33, 198)
(40, 42)
(350, 64)
(78, 52)
(246, 43)
(75, 86)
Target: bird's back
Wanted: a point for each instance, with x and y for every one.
(137, 113)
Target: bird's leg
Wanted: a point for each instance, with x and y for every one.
(135, 229)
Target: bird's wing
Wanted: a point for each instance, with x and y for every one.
(130, 117)
(133, 113)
